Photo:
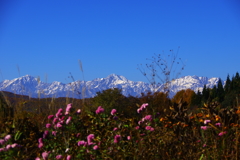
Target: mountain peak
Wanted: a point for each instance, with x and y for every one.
(116, 77)
(28, 85)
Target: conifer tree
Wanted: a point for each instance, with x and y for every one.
(220, 91)
(227, 85)
(213, 93)
(205, 93)
(237, 77)
(196, 99)
(237, 83)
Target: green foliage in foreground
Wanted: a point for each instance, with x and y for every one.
(71, 133)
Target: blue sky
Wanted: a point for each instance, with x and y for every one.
(47, 38)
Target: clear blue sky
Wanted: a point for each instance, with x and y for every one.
(48, 37)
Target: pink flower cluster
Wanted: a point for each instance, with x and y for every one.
(142, 107)
(82, 143)
(58, 121)
(59, 113)
(205, 127)
(149, 128)
(207, 121)
(40, 143)
(9, 146)
(68, 120)
(114, 111)
(218, 124)
(89, 142)
(117, 139)
(222, 133)
(90, 137)
(45, 155)
(99, 110)
(68, 109)
(146, 118)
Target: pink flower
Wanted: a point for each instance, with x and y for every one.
(207, 121)
(78, 111)
(148, 118)
(7, 137)
(218, 124)
(37, 158)
(90, 137)
(68, 120)
(82, 143)
(139, 122)
(8, 147)
(48, 125)
(143, 134)
(69, 157)
(114, 111)
(2, 149)
(95, 147)
(45, 155)
(137, 127)
(59, 156)
(40, 140)
(61, 119)
(40, 145)
(54, 133)
(205, 127)
(222, 133)
(148, 128)
(2, 141)
(144, 105)
(78, 134)
(69, 106)
(204, 145)
(115, 129)
(128, 137)
(45, 134)
(50, 116)
(139, 110)
(14, 145)
(99, 110)
(117, 138)
(59, 113)
(55, 120)
(59, 125)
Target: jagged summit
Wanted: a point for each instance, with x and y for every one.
(26, 78)
(31, 86)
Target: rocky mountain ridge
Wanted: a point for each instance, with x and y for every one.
(33, 87)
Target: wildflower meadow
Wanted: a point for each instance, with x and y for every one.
(73, 133)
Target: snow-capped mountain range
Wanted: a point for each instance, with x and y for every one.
(33, 87)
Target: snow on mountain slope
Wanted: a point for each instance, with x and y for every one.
(28, 85)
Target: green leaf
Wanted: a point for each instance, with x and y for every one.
(201, 157)
(17, 135)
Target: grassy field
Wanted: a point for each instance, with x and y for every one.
(67, 129)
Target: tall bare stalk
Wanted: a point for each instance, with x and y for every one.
(162, 69)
